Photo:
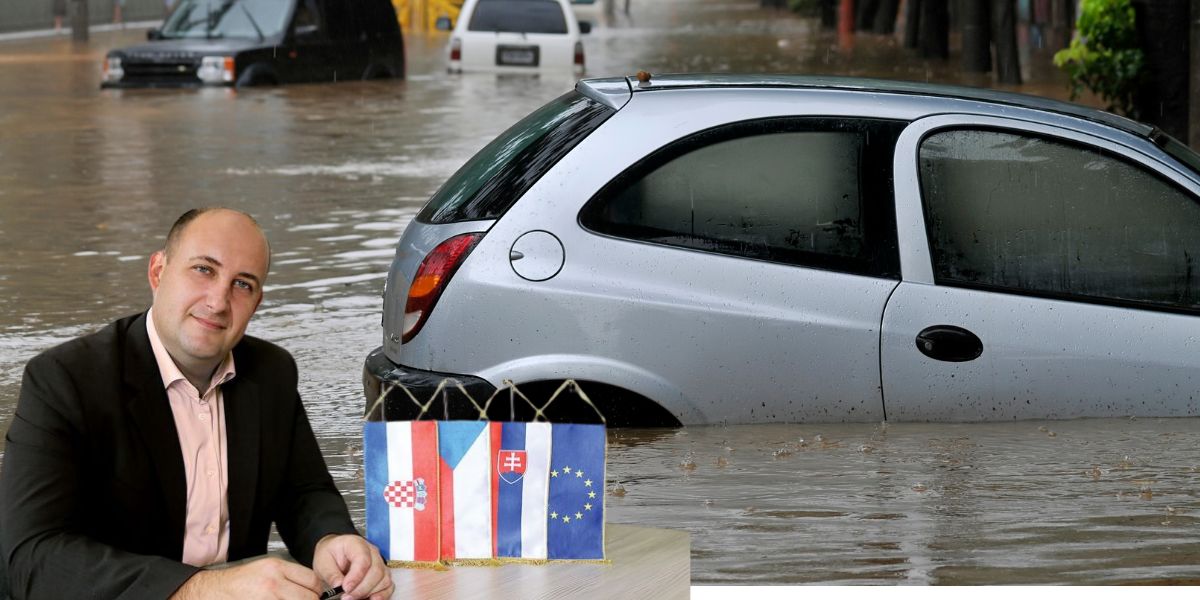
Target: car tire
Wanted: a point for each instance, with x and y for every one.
(257, 75)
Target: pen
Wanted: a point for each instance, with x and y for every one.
(332, 593)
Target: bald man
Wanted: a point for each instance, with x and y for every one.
(169, 442)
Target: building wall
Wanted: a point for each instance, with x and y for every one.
(26, 15)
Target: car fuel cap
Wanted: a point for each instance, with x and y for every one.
(536, 256)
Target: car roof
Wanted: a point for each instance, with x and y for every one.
(615, 91)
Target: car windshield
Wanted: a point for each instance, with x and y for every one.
(253, 19)
(524, 16)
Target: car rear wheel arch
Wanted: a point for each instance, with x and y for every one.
(621, 407)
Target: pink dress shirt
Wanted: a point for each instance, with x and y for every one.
(200, 421)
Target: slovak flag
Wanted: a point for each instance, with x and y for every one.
(401, 489)
(465, 459)
(522, 467)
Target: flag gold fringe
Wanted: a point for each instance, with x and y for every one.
(475, 562)
(524, 561)
(408, 564)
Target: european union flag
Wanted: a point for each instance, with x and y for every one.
(575, 519)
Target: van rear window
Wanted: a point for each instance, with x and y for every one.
(524, 16)
(488, 184)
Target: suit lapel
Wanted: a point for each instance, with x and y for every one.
(151, 414)
(243, 423)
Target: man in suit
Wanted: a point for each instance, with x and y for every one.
(168, 442)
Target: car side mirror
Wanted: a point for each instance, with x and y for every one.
(585, 27)
(154, 34)
(443, 24)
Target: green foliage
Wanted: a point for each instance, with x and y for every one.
(1104, 56)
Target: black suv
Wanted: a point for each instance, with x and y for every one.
(263, 42)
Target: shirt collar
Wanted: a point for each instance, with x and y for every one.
(169, 371)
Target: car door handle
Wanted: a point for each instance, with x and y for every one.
(949, 343)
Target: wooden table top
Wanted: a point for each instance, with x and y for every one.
(644, 563)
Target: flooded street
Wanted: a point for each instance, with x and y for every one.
(90, 181)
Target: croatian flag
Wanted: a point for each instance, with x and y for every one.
(401, 489)
(465, 458)
(522, 471)
(575, 521)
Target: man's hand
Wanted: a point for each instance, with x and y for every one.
(353, 563)
(266, 578)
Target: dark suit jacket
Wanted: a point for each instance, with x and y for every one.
(92, 493)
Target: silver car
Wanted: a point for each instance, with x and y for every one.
(746, 249)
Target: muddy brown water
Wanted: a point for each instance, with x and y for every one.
(90, 181)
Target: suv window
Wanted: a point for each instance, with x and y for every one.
(528, 16)
(1034, 215)
(810, 192)
(488, 184)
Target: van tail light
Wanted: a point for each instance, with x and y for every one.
(455, 49)
(579, 54)
(431, 278)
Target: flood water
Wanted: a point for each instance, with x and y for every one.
(90, 181)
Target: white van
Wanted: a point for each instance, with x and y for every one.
(515, 35)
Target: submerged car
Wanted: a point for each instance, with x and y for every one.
(263, 42)
(515, 36)
(730, 249)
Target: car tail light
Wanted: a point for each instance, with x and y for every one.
(579, 54)
(431, 278)
(455, 49)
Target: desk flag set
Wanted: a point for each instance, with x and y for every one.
(472, 492)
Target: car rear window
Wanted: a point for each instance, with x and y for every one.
(488, 184)
(526, 16)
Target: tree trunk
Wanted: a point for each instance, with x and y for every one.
(79, 20)
(1004, 32)
(976, 36)
(1162, 28)
(935, 29)
(912, 24)
(885, 17)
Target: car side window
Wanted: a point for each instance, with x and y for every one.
(1030, 214)
(808, 192)
(306, 23)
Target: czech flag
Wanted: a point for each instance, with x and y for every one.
(401, 488)
(465, 457)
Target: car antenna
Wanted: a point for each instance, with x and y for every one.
(643, 78)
